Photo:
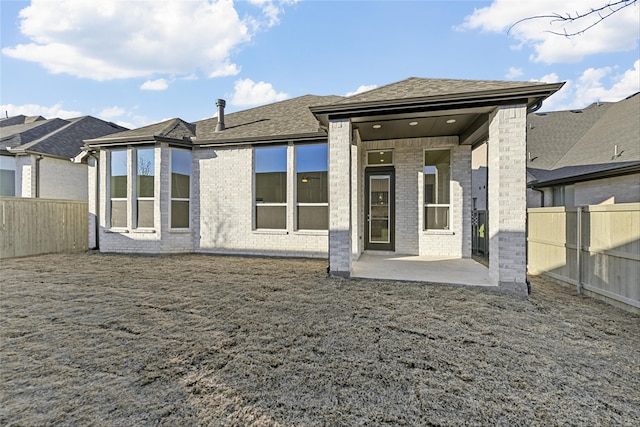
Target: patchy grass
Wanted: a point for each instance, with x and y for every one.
(96, 339)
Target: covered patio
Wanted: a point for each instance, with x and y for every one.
(400, 180)
(425, 268)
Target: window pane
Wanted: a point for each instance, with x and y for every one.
(313, 217)
(118, 213)
(180, 173)
(312, 187)
(270, 159)
(271, 187)
(119, 174)
(436, 217)
(146, 172)
(179, 214)
(436, 176)
(271, 217)
(311, 173)
(312, 158)
(145, 213)
(379, 158)
(7, 176)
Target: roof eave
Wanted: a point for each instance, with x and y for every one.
(301, 137)
(609, 173)
(532, 94)
(133, 140)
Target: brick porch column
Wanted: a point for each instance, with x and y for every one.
(507, 201)
(340, 197)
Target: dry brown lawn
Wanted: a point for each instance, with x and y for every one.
(115, 340)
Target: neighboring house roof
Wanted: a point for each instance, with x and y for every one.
(577, 145)
(19, 120)
(54, 137)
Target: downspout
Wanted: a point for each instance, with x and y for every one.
(38, 176)
(96, 224)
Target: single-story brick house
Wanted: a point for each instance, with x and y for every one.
(324, 176)
(587, 156)
(35, 153)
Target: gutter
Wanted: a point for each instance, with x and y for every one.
(484, 98)
(316, 137)
(609, 173)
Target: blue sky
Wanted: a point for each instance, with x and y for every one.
(139, 62)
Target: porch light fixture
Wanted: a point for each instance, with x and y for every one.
(413, 123)
(451, 121)
(305, 179)
(377, 126)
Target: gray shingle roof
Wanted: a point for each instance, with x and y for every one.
(55, 137)
(15, 135)
(172, 128)
(414, 87)
(280, 119)
(566, 144)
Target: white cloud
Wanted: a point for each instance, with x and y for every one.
(248, 93)
(361, 88)
(594, 84)
(51, 112)
(111, 112)
(159, 84)
(272, 9)
(619, 32)
(514, 72)
(113, 39)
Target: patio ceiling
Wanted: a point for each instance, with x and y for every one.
(469, 124)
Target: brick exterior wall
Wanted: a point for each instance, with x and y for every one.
(340, 181)
(507, 197)
(25, 176)
(410, 236)
(223, 208)
(62, 179)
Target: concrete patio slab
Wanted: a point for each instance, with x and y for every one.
(421, 269)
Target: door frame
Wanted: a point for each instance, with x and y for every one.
(368, 173)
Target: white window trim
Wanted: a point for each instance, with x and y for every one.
(437, 205)
(254, 214)
(179, 199)
(112, 228)
(297, 204)
(135, 186)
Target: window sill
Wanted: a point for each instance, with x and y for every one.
(144, 231)
(312, 232)
(267, 231)
(439, 232)
(117, 230)
(180, 230)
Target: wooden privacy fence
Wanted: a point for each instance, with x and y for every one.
(40, 226)
(607, 265)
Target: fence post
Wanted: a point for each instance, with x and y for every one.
(579, 247)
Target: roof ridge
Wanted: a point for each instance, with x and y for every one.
(30, 144)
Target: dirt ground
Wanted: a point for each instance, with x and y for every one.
(112, 340)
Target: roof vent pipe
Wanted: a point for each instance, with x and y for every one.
(220, 104)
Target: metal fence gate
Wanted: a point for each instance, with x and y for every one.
(480, 232)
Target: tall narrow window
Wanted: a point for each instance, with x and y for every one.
(271, 187)
(437, 166)
(180, 188)
(145, 187)
(312, 199)
(7, 176)
(118, 188)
